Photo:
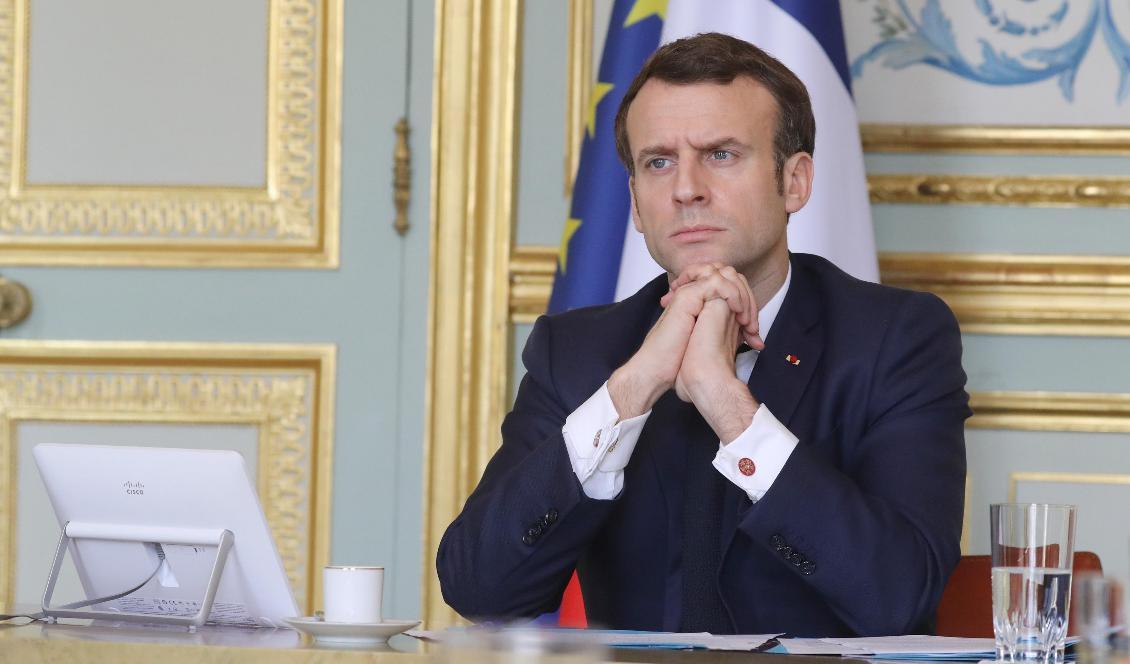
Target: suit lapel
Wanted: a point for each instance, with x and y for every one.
(792, 349)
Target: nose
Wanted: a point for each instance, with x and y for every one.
(690, 183)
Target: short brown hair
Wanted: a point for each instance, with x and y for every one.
(713, 57)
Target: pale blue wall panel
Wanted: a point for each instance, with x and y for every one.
(1000, 229)
(1061, 364)
(542, 204)
(521, 333)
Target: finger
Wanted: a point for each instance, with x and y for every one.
(692, 296)
(724, 284)
(743, 306)
(750, 332)
(748, 316)
(753, 326)
(717, 315)
(693, 273)
(753, 340)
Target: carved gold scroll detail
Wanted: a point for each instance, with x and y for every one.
(1052, 191)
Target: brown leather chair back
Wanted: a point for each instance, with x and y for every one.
(966, 608)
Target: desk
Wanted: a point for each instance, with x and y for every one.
(78, 642)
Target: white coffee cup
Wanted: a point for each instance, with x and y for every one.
(352, 594)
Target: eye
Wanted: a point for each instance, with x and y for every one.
(721, 155)
(658, 163)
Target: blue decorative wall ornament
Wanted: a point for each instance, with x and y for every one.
(1001, 42)
(1119, 48)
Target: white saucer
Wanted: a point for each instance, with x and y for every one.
(354, 634)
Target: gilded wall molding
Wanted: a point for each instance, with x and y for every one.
(989, 293)
(1014, 479)
(579, 81)
(532, 268)
(474, 147)
(284, 391)
(1044, 191)
(1051, 411)
(290, 222)
(995, 139)
(1022, 294)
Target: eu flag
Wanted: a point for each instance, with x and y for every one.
(588, 262)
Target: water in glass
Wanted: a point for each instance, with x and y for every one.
(1030, 609)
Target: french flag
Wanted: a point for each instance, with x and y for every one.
(836, 223)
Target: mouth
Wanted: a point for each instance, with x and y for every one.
(696, 233)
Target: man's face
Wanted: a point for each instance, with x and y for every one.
(705, 187)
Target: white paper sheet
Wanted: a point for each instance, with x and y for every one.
(913, 646)
(634, 639)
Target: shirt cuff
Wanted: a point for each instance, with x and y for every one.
(600, 445)
(753, 460)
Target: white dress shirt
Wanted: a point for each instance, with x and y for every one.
(599, 444)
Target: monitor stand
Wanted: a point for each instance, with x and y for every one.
(72, 530)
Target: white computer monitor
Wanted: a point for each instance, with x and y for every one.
(108, 492)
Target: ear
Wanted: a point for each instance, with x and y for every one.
(635, 207)
(796, 180)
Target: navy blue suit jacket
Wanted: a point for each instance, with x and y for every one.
(856, 536)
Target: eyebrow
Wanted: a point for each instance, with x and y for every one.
(658, 150)
(652, 151)
(728, 141)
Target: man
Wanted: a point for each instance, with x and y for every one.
(812, 485)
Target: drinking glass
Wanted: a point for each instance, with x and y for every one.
(1032, 547)
(1098, 612)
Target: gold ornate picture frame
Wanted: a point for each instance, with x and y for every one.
(292, 221)
(284, 391)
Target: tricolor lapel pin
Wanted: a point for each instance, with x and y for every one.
(793, 360)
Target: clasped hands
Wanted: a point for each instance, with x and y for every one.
(708, 311)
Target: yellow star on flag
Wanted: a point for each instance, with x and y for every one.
(598, 93)
(644, 8)
(571, 226)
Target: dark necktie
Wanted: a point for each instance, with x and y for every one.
(704, 494)
(704, 488)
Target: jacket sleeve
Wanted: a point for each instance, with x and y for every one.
(510, 552)
(878, 535)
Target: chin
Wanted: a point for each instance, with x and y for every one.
(700, 259)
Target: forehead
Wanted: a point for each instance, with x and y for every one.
(663, 111)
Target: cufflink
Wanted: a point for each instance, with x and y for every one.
(746, 466)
